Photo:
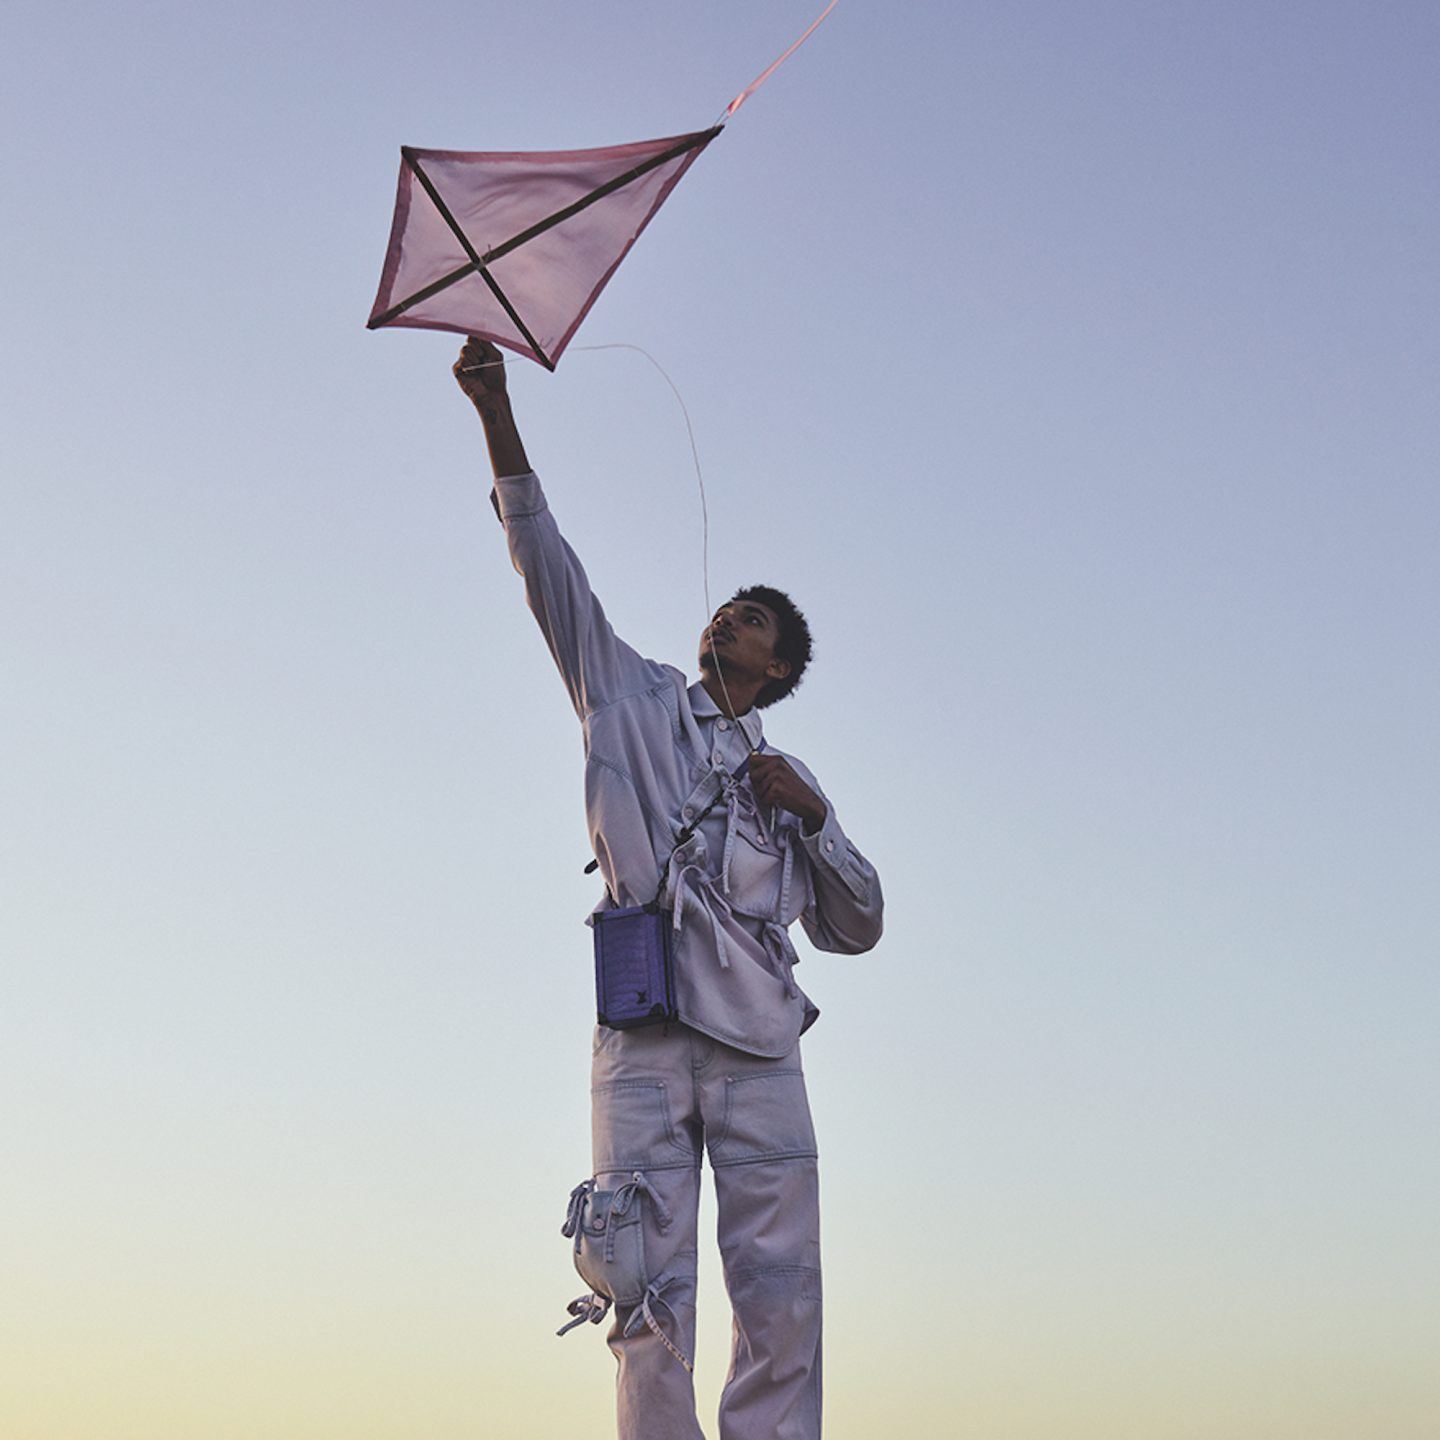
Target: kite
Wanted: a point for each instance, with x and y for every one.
(516, 246)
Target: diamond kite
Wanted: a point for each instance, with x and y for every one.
(516, 246)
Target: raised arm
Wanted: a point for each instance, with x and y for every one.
(596, 666)
(480, 371)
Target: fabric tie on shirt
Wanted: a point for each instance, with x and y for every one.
(692, 888)
(781, 954)
(740, 803)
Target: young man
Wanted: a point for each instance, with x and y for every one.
(736, 873)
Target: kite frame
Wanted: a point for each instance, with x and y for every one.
(479, 264)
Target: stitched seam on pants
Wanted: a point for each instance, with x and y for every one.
(652, 1165)
(763, 1159)
(749, 1272)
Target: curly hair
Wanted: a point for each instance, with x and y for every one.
(794, 645)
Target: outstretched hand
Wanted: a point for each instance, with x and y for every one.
(480, 371)
(778, 786)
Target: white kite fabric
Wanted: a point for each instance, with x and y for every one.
(516, 246)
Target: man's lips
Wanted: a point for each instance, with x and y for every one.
(715, 637)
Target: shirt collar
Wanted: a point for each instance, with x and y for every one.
(704, 708)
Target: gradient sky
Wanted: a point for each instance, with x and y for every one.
(1076, 367)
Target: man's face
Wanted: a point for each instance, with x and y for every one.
(741, 641)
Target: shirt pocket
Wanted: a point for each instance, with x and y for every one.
(757, 865)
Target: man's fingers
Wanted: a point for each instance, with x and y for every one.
(487, 364)
(768, 774)
(480, 351)
(480, 370)
(476, 351)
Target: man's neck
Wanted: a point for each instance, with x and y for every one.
(737, 702)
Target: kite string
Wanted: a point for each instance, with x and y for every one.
(704, 510)
(694, 455)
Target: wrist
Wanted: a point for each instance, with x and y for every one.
(813, 820)
(494, 409)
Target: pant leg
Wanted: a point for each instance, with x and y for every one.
(762, 1148)
(643, 1117)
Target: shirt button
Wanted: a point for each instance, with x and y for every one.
(719, 758)
(829, 844)
(723, 725)
(688, 812)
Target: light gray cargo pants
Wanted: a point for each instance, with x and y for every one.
(657, 1099)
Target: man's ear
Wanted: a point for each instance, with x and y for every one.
(778, 669)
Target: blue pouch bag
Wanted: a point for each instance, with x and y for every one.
(634, 975)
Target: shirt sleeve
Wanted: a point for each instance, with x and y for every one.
(846, 910)
(597, 667)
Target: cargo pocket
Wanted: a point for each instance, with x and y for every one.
(609, 1234)
(609, 1238)
(767, 1117)
(630, 1128)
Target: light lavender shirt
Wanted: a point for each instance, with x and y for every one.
(656, 753)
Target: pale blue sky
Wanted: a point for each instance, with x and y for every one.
(1076, 368)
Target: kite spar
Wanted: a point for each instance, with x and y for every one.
(516, 246)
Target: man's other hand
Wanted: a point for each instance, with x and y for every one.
(777, 785)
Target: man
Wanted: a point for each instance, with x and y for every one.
(680, 789)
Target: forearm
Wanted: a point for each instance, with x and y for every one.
(847, 911)
(502, 435)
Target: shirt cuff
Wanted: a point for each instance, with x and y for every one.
(828, 843)
(829, 847)
(517, 495)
